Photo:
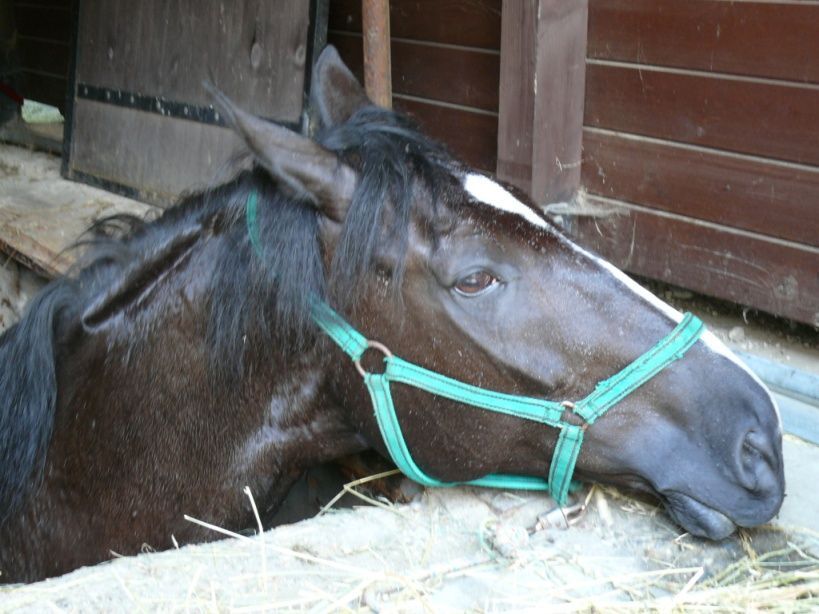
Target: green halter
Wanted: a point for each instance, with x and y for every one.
(606, 394)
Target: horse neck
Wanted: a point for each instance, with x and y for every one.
(274, 416)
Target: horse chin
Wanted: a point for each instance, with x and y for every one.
(696, 518)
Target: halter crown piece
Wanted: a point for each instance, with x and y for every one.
(606, 394)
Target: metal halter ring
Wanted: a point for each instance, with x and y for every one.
(569, 406)
(375, 345)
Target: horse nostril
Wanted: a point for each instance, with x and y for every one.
(756, 457)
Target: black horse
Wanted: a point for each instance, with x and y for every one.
(180, 363)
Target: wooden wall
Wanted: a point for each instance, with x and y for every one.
(702, 123)
(445, 67)
(43, 45)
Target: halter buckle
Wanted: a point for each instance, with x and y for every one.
(374, 345)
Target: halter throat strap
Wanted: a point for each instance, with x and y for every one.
(606, 395)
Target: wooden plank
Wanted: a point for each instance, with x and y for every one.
(42, 214)
(781, 200)
(469, 135)
(765, 39)
(43, 137)
(517, 93)
(777, 276)
(51, 23)
(472, 23)
(44, 57)
(559, 87)
(459, 76)
(769, 119)
(256, 51)
(158, 157)
(543, 51)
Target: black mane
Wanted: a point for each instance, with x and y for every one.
(28, 390)
(390, 155)
(266, 294)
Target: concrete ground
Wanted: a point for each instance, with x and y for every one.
(801, 507)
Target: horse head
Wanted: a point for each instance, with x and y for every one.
(459, 273)
(186, 357)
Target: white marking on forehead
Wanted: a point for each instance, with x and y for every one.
(482, 188)
(487, 191)
(711, 341)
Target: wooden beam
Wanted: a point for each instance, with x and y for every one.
(42, 214)
(516, 102)
(542, 86)
(375, 20)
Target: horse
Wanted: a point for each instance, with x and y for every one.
(183, 359)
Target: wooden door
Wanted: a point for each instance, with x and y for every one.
(141, 122)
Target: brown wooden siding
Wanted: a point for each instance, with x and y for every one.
(747, 268)
(470, 23)
(707, 184)
(702, 124)
(43, 42)
(775, 120)
(445, 67)
(761, 39)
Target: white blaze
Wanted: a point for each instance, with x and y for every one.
(487, 191)
(482, 188)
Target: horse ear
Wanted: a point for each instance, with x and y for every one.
(303, 166)
(140, 278)
(336, 93)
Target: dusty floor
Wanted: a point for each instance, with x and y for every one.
(454, 550)
(801, 507)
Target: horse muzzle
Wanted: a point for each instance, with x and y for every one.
(747, 490)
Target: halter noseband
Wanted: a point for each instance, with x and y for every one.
(606, 394)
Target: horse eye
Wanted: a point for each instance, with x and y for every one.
(475, 283)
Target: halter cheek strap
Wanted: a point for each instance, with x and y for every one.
(606, 395)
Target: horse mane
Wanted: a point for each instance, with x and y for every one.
(392, 158)
(266, 293)
(28, 389)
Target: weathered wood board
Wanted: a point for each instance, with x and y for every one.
(777, 276)
(42, 214)
(754, 194)
(141, 122)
